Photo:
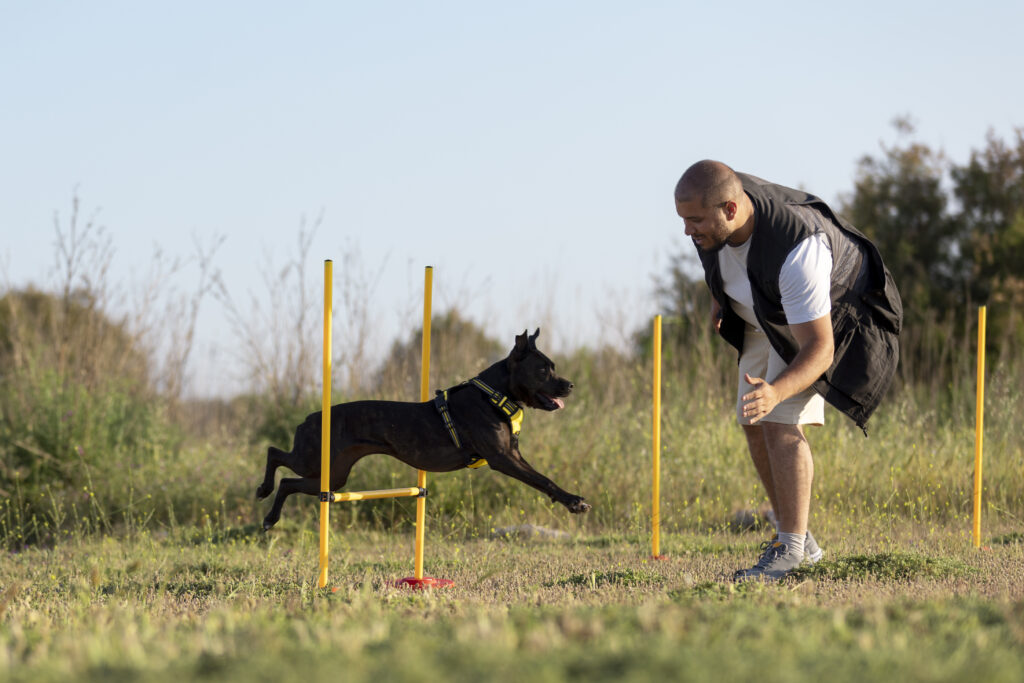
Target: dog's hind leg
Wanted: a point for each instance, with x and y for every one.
(275, 458)
(308, 485)
(341, 466)
(304, 458)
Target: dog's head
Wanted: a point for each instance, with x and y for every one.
(533, 381)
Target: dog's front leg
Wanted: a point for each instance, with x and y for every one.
(515, 466)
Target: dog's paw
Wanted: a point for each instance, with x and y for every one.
(262, 491)
(578, 506)
(268, 522)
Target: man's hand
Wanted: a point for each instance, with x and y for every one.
(813, 359)
(716, 316)
(761, 400)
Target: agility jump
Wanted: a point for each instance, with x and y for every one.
(326, 495)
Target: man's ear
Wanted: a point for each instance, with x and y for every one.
(731, 209)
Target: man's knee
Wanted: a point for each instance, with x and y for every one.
(782, 436)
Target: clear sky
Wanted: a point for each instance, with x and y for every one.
(526, 150)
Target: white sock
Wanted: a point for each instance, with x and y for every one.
(776, 520)
(795, 542)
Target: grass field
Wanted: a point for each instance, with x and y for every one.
(888, 602)
(130, 549)
(119, 579)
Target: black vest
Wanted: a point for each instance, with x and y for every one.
(867, 313)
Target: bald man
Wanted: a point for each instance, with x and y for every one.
(815, 316)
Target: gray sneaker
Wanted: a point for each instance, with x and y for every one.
(812, 553)
(775, 563)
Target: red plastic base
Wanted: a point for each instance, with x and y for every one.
(425, 582)
(659, 557)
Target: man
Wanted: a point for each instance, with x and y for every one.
(806, 300)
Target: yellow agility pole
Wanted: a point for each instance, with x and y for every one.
(421, 481)
(656, 447)
(418, 580)
(325, 429)
(979, 422)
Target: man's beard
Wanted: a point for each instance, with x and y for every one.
(712, 249)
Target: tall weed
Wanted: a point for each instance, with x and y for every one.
(94, 435)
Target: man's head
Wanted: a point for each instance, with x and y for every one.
(714, 208)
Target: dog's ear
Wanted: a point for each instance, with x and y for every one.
(533, 339)
(522, 344)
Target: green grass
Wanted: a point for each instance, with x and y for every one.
(891, 566)
(130, 546)
(888, 604)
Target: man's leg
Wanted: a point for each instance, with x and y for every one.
(792, 473)
(759, 454)
(782, 458)
(754, 361)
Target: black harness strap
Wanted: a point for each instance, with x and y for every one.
(441, 403)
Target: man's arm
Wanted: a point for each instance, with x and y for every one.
(811, 361)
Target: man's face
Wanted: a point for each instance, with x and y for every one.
(708, 227)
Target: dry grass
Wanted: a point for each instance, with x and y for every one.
(131, 551)
(225, 604)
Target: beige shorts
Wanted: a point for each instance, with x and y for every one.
(760, 360)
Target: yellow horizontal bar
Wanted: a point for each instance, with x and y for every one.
(369, 495)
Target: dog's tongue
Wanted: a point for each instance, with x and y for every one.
(557, 401)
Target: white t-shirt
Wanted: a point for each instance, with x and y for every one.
(805, 280)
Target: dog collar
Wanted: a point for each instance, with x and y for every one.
(512, 410)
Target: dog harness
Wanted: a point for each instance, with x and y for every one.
(509, 408)
(441, 403)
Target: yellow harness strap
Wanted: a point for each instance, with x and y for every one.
(512, 410)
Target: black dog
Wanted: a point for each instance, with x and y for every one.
(473, 422)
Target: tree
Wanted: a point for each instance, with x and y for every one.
(953, 237)
(459, 350)
(990, 190)
(899, 203)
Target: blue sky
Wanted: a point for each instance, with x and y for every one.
(526, 150)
